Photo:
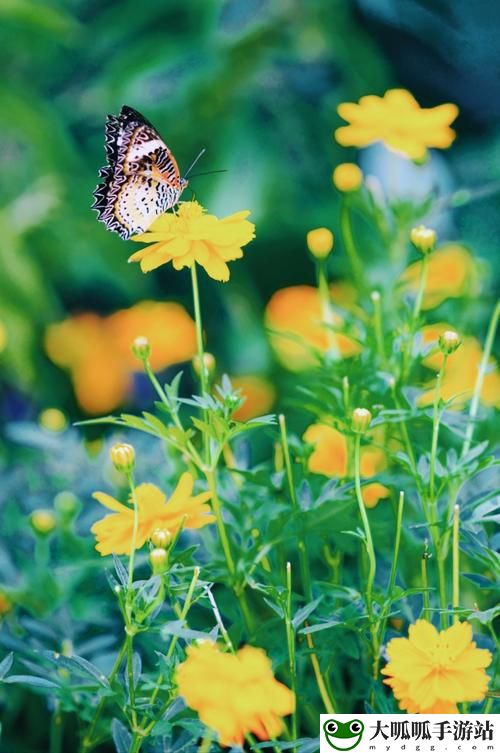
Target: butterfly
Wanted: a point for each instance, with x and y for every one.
(141, 179)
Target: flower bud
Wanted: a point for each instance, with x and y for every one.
(208, 363)
(161, 538)
(320, 242)
(361, 418)
(158, 559)
(347, 177)
(53, 419)
(66, 503)
(141, 348)
(43, 521)
(449, 342)
(123, 457)
(423, 238)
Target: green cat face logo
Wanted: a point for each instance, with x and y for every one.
(343, 735)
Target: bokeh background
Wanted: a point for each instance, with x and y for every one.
(256, 82)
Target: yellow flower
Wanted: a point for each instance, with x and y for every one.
(259, 396)
(399, 122)
(97, 350)
(451, 273)
(294, 316)
(430, 671)
(191, 236)
(347, 177)
(461, 371)
(320, 242)
(43, 521)
(330, 458)
(234, 694)
(114, 532)
(53, 419)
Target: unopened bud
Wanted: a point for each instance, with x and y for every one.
(361, 418)
(320, 242)
(347, 177)
(208, 363)
(423, 238)
(141, 348)
(43, 521)
(66, 503)
(53, 419)
(161, 538)
(123, 457)
(449, 342)
(158, 559)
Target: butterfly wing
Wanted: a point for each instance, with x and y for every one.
(141, 180)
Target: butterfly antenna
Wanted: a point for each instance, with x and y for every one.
(195, 161)
(210, 172)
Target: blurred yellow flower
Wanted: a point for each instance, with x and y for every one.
(430, 671)
(191, 236)
(97, 350)
(43, 521)
(3, 337)
(114, 532)
(259, 396)
(5, 604)
(234, 694)
(461, 371)
(294, 316)
(330, 458)
(451, 273)
(399, 122)
(347, 177)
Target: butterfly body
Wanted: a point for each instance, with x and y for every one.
(141, 180)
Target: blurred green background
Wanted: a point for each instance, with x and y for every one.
(257, 83)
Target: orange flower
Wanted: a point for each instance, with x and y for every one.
(330, 458)
(96, 350)
(451, 273)
(294, 317)
(259, 396)
(234, 694)
(461, 371)
(114, 532)
(399, 122)
(191, 236)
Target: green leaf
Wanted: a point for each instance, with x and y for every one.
(6, 664)
(37, 682)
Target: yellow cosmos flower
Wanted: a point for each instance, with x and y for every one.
(234, 694)
(430, 671)
(295, 318)
(191, 236)
(461, 371)
(347, 177)
(451, 273)
(399, 122)
(330, 458)
(114, 532)
(259, 396)
(96, 350)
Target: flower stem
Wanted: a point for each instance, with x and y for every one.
(134, 535)
(377, 326)
(326, 308)
(326, 697)
(350, 246)
(417, 306)
(394, 565)
(199, 328)
(425, 584)
(221, 528)
(304, 562)
(290, 639)
(474, 406)
(88, 742)
(456, 562)
(436, 418)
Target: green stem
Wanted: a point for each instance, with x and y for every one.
(326, 308)
(303, 559)
(377, 326)
(474, 406)
(130, 674)
(290, 639)
(372, 564)
(417, 306)
(56, 730)
(134, 535)
(350, 246)
(436, 418)
(392, 576)
(456, 562)
(426, 610)
(87, 742)
(199, 329)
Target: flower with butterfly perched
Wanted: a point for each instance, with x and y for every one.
(191, 236)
